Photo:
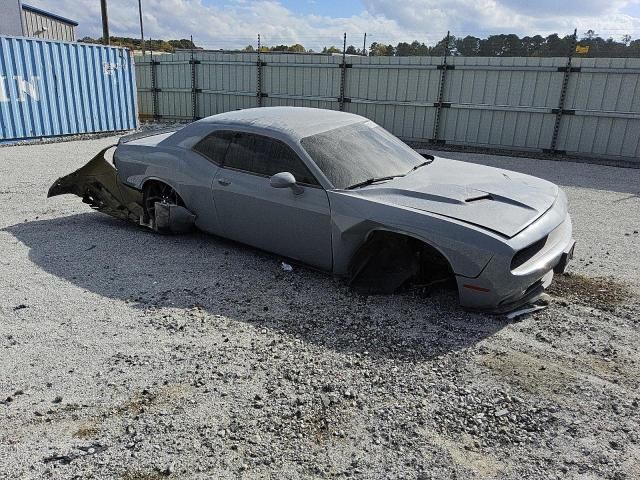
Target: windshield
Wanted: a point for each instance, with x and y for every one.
(360, 152)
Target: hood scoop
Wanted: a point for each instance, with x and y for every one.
(479, 198)
(474, 194)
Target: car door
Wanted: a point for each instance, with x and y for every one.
(279, 220)
(199, 171)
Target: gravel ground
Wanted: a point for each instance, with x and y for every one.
(134, 356)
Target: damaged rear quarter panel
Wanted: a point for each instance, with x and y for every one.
(187, 172)
(137, 164)
(98, 185)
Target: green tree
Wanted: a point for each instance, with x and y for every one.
(556, 46)
(331, 49)
(420, 48)
(634, 48)
(403, 49)
(505, 45)
(589, 35)
(441, 47)
(469, 46)
(183, 43)
(532, 46)
(381, 50)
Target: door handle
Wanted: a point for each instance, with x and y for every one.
(224, 182)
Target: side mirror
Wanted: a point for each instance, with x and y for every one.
(285, 180)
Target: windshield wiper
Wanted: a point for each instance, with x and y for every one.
(369, 181)
(427, 162)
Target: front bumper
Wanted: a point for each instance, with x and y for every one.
(565, 258)
(499, 288)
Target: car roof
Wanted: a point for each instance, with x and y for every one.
(296, 122)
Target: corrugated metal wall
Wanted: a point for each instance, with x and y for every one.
(509, 103)
(52, 88)
(55, 29)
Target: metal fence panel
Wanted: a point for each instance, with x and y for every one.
(395, 92)
(50, 88)
(604, 100)
(301, 77)
(499, 102)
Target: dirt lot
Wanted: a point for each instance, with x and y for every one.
(134, 356)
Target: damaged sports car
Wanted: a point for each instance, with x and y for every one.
(337, 192)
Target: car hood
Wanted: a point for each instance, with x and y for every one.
(503, 201)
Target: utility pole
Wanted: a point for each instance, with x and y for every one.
(343, 72)
(259, 74)
(105, 23)
(563, 92)
(364, 45)
(439, 105)
(141, 28)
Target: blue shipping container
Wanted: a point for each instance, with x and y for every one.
(52, 88)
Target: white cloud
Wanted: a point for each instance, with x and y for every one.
(236, 23)
(524, 17)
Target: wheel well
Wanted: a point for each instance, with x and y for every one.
(154, 181)
(389, 260)
(146, 188)
(151, 181)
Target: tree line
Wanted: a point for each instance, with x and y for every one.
(510, 45)
(504, 45)
(169, 46)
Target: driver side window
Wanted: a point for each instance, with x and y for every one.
(265, 156)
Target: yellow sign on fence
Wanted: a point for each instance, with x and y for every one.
(582, 48)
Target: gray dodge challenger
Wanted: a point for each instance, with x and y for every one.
(339, 193)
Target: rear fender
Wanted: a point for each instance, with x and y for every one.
(98, 185)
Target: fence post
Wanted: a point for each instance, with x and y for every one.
(563, 94)
(194, 87)
(343, 73)
(440, 103)
(154, 88)
(259, 65)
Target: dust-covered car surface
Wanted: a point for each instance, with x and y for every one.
(337, 192)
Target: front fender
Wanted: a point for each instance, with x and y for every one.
(467, 249)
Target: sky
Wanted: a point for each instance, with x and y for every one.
(316, 23)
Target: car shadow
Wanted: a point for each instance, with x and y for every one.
(148, 271)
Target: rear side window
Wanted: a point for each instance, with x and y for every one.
(214, 146)
(265, 156)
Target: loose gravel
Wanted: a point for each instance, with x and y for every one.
(134, 356)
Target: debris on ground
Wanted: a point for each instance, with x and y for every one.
(524, 311)
(83, 451)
